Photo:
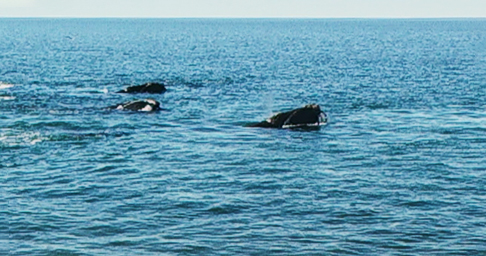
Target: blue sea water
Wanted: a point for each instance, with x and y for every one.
(399, 170)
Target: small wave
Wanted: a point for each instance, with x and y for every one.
(5, 85)
(305, 126)
(200, 82)
(20, 139)
(5, 97)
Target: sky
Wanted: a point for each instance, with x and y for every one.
(245, 8)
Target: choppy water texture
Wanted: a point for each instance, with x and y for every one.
(399, 170)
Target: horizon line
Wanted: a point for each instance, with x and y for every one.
(231, 17)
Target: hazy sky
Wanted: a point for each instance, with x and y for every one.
(245, 8)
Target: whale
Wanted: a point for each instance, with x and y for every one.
(155, 88)
(308, 116)
(146, 105)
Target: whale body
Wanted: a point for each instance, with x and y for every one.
(145, 88)
(307, 116)
(146, 105)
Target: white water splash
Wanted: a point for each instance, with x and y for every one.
(12, 138)
(5, 85)
(7, 98)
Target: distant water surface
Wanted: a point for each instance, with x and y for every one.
(399, 170)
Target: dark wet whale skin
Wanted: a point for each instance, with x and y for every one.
(147, 105)
(309, 115)
(155, 88)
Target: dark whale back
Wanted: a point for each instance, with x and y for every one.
(147, 105)
(309, 115)
(278, 120)
(145, 88)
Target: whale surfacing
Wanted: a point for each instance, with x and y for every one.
(145, 88)
(146, 105)
(305, 117)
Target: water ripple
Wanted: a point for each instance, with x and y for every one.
(399, 170)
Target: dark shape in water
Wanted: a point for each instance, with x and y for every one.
(306, 117)
(145, 88)
(147, 105)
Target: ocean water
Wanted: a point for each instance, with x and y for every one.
(399, 170)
